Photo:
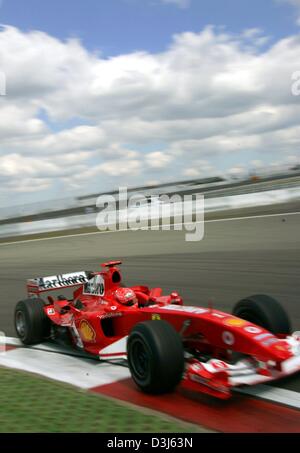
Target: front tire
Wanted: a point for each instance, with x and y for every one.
(265, 312)
(155, 357)
(31, 323)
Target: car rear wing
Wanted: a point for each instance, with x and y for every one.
(43, 284)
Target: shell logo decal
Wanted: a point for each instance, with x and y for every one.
(86, 331)
(235, 322)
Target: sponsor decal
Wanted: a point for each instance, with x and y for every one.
(263, 336)
(235, 322)
(218, 315)
(95, 286)
(252, 329)
(156, 317)
(184, 309)
(111, 315)
(50, 311)
(270, 341)
(86, 331)
(228, 338)
(61, 281)
(206, 382)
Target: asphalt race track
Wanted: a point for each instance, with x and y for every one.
(237, 257)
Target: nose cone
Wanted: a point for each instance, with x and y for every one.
(281, 350)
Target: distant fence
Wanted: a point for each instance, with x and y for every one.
(211, 205)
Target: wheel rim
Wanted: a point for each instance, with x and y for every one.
(139, 360)
(21, 324)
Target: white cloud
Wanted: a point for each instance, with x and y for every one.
(123, 167)
(75, 120)
(238, 170)
(192, 172)
(158, 159)
(201, 168)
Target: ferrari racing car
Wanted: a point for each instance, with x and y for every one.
(163, 341)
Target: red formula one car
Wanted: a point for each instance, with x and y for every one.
(163, 341)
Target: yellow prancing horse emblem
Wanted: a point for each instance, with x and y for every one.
(156, 317)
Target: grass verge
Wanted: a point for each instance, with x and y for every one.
(30, 404)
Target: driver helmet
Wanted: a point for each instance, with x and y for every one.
(126, 296)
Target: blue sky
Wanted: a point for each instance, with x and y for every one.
(148, 91)
(121, 26)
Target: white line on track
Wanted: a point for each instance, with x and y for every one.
(231, 219)
(273, 394)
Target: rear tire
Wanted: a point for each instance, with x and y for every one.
(265, 312)
(155, 357)
(31, 323)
